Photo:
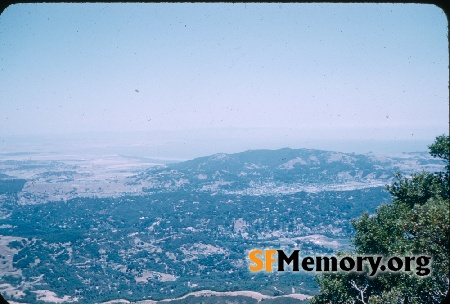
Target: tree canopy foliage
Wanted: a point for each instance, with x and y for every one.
(416, 222)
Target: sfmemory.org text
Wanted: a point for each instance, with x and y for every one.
(264, 260)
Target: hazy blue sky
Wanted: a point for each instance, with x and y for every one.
(230, 77)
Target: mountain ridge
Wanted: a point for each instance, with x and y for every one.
(302, 167)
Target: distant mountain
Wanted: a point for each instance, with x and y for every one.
(296, 160)
(301, 167)
(254, 172)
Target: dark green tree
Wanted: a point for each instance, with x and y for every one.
(416, 222)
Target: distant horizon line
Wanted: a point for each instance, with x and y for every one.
(187, 145)
(181, 159)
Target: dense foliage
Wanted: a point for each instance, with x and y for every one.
(417, 222)
(93, 249)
